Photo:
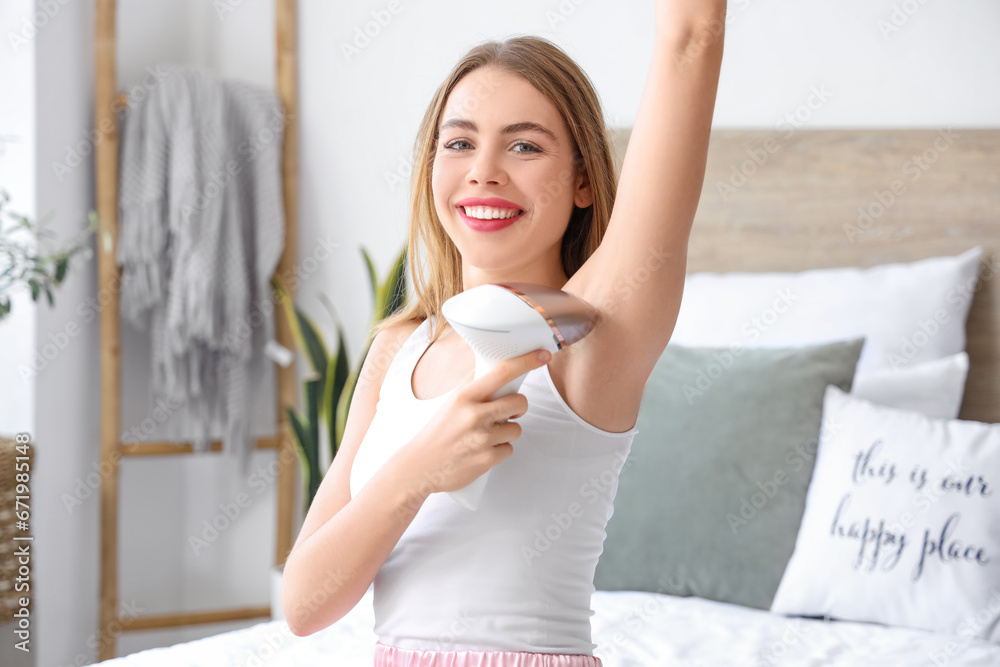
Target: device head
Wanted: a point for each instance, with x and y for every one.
(504, 320)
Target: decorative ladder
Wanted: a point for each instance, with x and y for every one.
(108, 101)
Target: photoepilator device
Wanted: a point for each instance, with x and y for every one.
(504, 320)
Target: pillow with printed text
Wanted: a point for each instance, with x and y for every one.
(901, 522)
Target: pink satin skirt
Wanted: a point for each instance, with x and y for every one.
(393, 656)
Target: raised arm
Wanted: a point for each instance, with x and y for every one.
(636, 276)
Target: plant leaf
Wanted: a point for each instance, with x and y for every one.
(395, 286)
(282, 296)
(372, 274)
(61, 264)
(348, 392)
(315, 347)
(336, 375)
(344, 404)
(303, 446)
(325, 300)
(328, 406)
(313, 389)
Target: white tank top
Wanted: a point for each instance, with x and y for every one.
(517, 574)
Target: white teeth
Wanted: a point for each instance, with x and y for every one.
(490, 213)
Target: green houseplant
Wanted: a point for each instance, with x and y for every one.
(21, 265)
(330, 386)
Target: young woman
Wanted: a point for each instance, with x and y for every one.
(513, 181)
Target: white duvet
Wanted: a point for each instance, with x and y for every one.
(631, 629)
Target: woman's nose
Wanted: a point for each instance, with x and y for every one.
(486, 168)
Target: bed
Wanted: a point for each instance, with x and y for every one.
(631, 629)
(791, 201)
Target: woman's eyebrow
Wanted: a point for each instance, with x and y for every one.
(513, 128)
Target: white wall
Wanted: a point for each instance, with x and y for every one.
(358, 118)
(17, 177)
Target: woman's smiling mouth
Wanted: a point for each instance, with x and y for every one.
(488, 214)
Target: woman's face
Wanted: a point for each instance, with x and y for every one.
(503, 176)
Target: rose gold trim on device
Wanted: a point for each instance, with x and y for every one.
(560, 341)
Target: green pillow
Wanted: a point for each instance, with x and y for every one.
(711, 496)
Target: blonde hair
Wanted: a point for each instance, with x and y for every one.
(553, 73)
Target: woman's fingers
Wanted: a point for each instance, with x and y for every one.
(484, 388)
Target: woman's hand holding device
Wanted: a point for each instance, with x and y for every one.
(470, 433)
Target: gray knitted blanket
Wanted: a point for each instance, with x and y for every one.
(201, 229)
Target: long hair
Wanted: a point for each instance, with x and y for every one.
(553, 73)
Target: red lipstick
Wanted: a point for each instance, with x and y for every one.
(493, 225)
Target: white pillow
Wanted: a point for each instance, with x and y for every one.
(912, 480)
(934, 388)
(908, 313)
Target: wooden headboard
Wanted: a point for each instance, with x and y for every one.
(789, 201)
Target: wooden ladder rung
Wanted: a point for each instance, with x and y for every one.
(157, 621)
(166, 447)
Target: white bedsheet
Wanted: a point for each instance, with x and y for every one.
(631, 629)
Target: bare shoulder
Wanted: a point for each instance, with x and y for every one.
(383, 350)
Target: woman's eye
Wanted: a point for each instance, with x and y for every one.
(519, 147)
(528, 148)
